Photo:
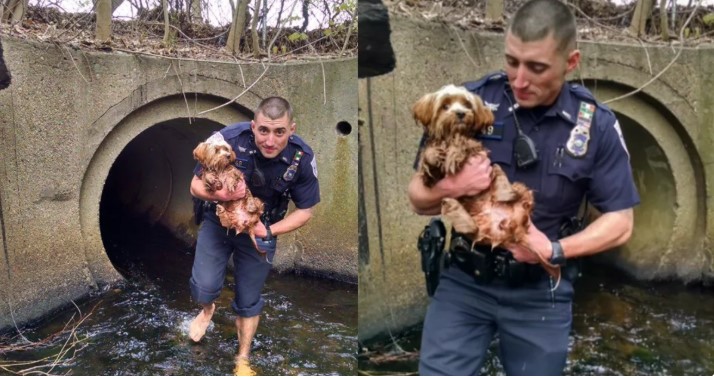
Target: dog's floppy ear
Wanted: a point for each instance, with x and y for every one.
(484, 116)
(199, 153)
(423, 109)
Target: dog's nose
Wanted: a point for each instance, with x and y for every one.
(460, 114)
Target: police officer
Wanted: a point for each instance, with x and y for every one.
(558, 140)
(278, 166)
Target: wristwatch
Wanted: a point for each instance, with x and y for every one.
(558, 257)
(268, 234)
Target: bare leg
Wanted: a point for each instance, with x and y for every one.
(245, 328)
(201, 322)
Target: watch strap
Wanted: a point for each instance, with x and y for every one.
(269, 234)
(558, 256)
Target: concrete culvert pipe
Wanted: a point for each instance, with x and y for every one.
(669, 223)
(142, 170)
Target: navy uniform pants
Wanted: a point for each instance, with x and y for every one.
(213, 248)
(533, 325)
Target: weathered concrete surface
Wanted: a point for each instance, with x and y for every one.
(69, 114)
(667, 126)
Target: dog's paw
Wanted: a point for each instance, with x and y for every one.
(457, 215)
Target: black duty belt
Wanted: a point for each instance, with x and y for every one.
(487, 265)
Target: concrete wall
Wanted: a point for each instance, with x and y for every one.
(667, 126)
(67, 116)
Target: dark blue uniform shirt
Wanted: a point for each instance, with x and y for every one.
(301, 185)
(560, 179)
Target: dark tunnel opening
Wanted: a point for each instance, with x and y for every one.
(146, 214)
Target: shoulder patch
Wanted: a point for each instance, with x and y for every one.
(616, 125)
(313, 163)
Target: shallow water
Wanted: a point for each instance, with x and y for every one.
(620, 327)
(139, 327)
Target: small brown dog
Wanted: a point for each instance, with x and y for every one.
(452, 117)
(217, 157)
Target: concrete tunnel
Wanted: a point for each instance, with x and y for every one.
(142, 172)
(670, 222)
(148, 183)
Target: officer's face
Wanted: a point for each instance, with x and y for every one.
(271, 135)
(536, 70)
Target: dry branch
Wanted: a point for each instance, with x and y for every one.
(44, 366)
(679, 52)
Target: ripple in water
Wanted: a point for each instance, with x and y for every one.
(133, 331)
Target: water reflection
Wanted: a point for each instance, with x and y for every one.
(620, 327)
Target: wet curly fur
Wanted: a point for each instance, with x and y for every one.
(452, 117)
(217, 158)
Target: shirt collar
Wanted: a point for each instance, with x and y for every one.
(285, 156)
(563, 107)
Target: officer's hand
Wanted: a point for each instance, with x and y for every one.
(536, 242)
(259, 230)
(473, 178)
(225, 195)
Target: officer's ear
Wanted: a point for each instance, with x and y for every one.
(292, 128)
(573, 61)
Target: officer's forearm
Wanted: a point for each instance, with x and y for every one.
(292, 221)
(608, 231)
(199, 191)
(424, 201)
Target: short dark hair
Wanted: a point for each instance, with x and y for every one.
(537, 19)
(275, 107)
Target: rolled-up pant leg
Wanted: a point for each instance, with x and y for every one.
(458, 328)
(250, 271)
(213, 249)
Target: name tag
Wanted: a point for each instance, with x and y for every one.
(494, 132)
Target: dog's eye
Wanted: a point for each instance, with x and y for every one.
(445, 106)
(468, 105)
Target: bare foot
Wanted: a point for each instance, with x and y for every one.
(198, 326)
(243, 367)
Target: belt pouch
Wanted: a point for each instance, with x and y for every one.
(480, 265)
(515, 272)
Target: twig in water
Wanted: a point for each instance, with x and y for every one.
(73, 344)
